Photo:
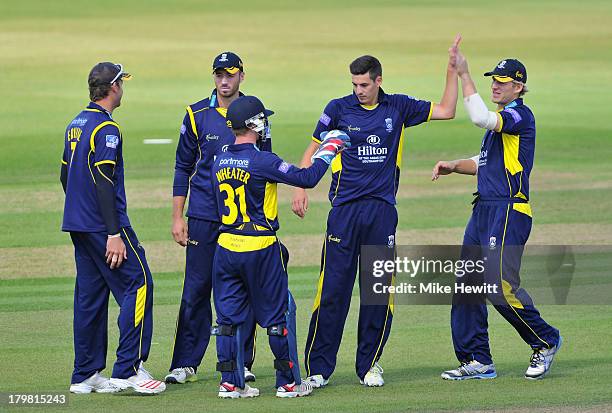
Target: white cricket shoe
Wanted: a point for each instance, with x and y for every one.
(471, 370)
(142, 371)
(316, 381)
(294, 390)
(373, 377)
(541, 361)
(97, 383)
(181, 375)
(229, 391)
(248, 376)
(143, 383)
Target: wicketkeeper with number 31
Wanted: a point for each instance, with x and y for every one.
(248, 269)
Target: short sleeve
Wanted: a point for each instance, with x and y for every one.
(107, 141)
(414, 111)
(66, 152)
(512, 120)
(328, 120)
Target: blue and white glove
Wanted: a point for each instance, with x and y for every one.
(332, 143)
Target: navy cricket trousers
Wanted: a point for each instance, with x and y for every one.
(349, 227)
(194, 320)
(250, 275)
(497, 232)
(131, 285)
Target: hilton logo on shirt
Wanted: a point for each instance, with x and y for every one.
(370, 150)
(482, 159)
(373, 140)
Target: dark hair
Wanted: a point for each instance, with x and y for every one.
(99, 80)
(98, 92)
(365, 64)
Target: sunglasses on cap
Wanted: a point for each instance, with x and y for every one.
(121, 74)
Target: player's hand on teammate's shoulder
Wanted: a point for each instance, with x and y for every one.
(179, 231)
(116, 252)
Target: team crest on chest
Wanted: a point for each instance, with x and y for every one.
(389, 124)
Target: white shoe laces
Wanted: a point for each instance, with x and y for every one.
(536, 359)
(306, 385)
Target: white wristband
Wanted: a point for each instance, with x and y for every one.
(479, 114)
(117, 235)
(476, 159)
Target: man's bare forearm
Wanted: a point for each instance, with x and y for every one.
(466, 166)
(310, 150)
(178, 206)
(467, 85)
(449, 96)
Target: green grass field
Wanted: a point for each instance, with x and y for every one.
(296, 58)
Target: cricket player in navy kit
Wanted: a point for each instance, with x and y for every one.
(108, 255)
(499, 226)
(365, 180)
(204, 135)
(248, 267)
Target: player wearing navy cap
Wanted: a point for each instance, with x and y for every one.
(204, 135)
(250, 266)
(364, 184)
(108, 255)
(499, 226)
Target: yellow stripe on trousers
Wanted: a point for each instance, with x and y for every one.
(390, 306)
(508, 295)
(317, 304)
(139, 318)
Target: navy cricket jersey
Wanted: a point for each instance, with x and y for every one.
(506, 157)
(204, 135)
(245, 181)
(370, 168)
(92, 138)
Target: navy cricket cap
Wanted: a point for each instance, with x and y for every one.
(107, 73)
(247, 112)
(508, 70)
(228, 61)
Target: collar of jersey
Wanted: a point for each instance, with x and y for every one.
(382, 97)
(93, 105)
(243, 147)
(214, 103)
(514, 103)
